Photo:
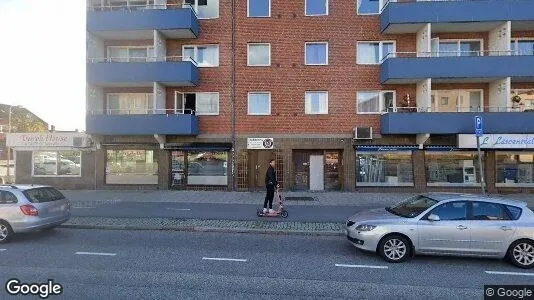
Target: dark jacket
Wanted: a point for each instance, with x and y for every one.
(270, 178)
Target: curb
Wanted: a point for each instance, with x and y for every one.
(204, 229)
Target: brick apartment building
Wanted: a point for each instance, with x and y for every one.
(360, 95)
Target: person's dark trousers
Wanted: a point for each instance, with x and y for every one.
(269, 198)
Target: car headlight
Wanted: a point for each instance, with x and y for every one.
(365, 227)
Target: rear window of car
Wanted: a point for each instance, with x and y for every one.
(515, 212)
(40, 195)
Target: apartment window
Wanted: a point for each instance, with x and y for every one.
(373, 102)
(522, 100)
(514, 169)
(316, 7)
(130, 54)
(457, 101)
(259, 8)
(445, 48)
(259, 54)
(56, 164)
(205, 9)
(130, 103)
(127, 4)
(369, 7)
(372, 53)
(522, 46)
(259, 103)
(203, 55)
(316, 103)
(131, 166)
(207, 103)
(316, 53)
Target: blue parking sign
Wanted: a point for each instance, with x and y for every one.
(479, 128)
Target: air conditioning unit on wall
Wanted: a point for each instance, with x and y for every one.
(363, 133)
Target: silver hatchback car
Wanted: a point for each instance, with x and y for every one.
(447, 224)
(25, 208)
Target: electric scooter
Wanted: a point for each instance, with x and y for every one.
(279, 212)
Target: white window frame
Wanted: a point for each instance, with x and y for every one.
(148, 111)
(248, 103)
(195, 51)
(306, 98)
(248, 54)
(128, 48)
(457, 90)
(195, 8)
(380, 8)
(380, 51)
(306, 53)
(316, 15)
(381, 108)
(196, 99)
(248, 11)
(458, 41)
(57, 164)
(516, 41)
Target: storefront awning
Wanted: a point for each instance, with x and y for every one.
(441, 148)
(378, 148)
(199, 146)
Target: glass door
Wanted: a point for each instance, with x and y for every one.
(178, 170)
(179, 103)
(332, 170)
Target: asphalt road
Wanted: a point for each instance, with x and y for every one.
(92, 264)
(213, 211)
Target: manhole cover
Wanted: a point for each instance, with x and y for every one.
(299, 199)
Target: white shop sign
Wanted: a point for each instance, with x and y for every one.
(260, 143)
(49, 139)
(497, 141)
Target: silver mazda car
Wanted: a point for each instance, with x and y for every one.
(25, 208)
(447, 224)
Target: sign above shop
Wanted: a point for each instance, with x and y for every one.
(260, 143)
(48, 139)
(497, 141)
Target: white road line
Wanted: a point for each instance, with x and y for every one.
(224, 259)
(509, 273)
(181, 209)
(3, 249)
(361, 266)
(83, 207)
(95, 253)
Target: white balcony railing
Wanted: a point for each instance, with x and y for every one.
(142, 111)
(400, 109)
(141, 59)
(136, 7)
(414, 54)
(386, 2)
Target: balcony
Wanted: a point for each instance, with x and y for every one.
(407, 16)
(139, 22)
(161, 122)
(407, 68)
(169, 71)
(496, 120)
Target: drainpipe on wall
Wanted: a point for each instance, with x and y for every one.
(233, 100)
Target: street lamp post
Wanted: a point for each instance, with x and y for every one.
(9, 148)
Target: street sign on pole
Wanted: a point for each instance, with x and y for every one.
(479, 131)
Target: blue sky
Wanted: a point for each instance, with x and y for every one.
(42, 59)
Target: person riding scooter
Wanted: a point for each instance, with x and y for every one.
(270, 183)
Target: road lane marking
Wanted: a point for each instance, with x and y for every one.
(181, 209)
(83, 207)
(361, 266)
(509, 273)
(3, 249)
(224, 259)
(96, 253)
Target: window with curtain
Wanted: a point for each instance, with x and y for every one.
(259, 103)
(207, 104)
(259, 8)
(317, 53)
(316, 103)
(371, 53)
(316, 7)
(130, 54)
(375, 101)
(130, 103)
(259, 54)
(203, 55)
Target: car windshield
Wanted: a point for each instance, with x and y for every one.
(46, 194)
(412, 207)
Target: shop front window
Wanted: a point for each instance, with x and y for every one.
(207, 168)
(514, 168)
(384, 169)
(457, 168)
(57, 164)
(131, 167)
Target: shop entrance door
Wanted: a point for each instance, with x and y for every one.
(259, 162)
(316, 172)
(178, 174)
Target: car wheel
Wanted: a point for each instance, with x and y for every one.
(5, 232)
(521, 253)
(394, 248)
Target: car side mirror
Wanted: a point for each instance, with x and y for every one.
(433, 218)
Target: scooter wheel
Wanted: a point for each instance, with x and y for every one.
(284, 214)
(258, 213)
